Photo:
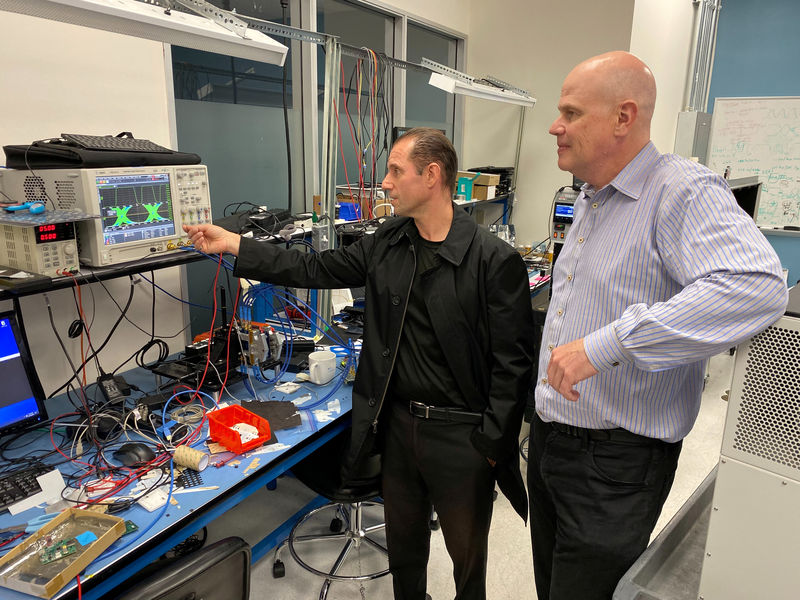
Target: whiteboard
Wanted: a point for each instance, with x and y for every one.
(761, 137)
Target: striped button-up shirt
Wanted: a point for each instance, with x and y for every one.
(660, 270)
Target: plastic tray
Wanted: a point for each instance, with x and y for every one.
(220, 423)
(40, 567)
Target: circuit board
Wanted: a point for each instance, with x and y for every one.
(58, 551)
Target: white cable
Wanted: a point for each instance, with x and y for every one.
(389, 204)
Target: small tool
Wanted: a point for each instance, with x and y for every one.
(32, 525)
(35, 208)
(195, 489)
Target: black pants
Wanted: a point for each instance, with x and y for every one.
(428, 462)
(594, 504)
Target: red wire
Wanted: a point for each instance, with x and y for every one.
(352, 138)
(360, 149)
(211, 330)
(11, 539)
(373, 97)
(344, 163)
(80, 592)
(85, 324)
(228, 340)
(52, 425)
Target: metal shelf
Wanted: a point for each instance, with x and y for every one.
(39, 284)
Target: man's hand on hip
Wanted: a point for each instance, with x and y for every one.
(568, 366)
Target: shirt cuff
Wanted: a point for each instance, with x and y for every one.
(604, 350)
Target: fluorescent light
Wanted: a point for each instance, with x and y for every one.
(151, 22)
(478, 90)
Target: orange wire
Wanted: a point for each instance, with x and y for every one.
(85, 327)
(344, 163)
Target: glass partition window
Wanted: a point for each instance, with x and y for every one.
(235, 114)
(427, 106)
(364, 98)
(209, 77)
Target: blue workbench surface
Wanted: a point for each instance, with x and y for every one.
(238, 478)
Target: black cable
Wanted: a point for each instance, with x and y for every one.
(105, 342)
(58, 337)
(79, 310)
(238, 206)
(284, 6)
(28, 165)
(76, 375)
(119, 308)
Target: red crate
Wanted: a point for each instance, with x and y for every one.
(221, 422)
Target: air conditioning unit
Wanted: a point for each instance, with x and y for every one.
(754, 533)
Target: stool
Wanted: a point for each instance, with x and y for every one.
(348, 530)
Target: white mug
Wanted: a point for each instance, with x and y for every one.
(321, 366)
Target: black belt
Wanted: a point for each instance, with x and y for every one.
(600, 435)
(418, 409)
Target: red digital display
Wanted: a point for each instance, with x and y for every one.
(54, 232)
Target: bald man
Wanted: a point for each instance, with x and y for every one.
(659, 271)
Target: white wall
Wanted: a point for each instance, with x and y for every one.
(662, 36)
(533, 45)
(62, 78)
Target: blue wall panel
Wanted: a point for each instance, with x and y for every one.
(756, 55)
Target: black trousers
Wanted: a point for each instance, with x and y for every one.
(430, 462)
(594, 504)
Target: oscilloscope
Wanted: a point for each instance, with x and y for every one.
(138, 211)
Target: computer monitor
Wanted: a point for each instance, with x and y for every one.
(747, 191)
(22, 400)
(135, 207)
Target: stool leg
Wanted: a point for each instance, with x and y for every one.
(323, 593)
(353, 535)
(342, 556)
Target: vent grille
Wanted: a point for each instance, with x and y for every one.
(34, 189)
(768, 422)
(65, 195)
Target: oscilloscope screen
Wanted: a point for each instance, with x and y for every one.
(135, 207)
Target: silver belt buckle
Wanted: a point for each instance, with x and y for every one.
(425, 406)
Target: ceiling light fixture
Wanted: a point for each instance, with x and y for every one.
(218, 31)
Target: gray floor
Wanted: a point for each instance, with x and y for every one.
(510, 571)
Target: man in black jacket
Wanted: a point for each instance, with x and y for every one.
(445, 364)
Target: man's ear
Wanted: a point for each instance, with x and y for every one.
(433, 175)
(627, 112)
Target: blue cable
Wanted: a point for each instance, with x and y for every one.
(175, 297)
(215, 258)
(165, 430)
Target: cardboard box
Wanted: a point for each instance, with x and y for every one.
(483, 192)
(40, 568)
(482, 178)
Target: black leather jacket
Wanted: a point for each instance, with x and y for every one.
(479, 303)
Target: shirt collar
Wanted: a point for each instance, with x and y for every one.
(458, 240)
(629, 181)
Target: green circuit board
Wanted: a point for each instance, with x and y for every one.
(58, 551)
